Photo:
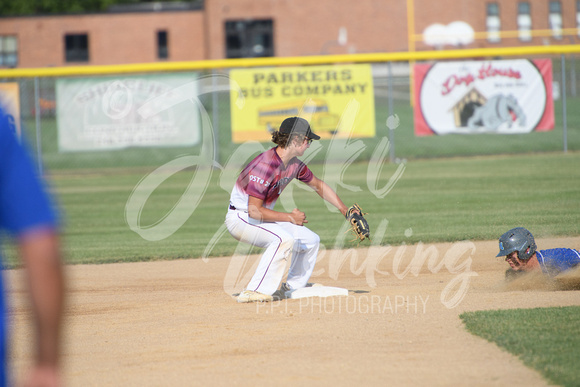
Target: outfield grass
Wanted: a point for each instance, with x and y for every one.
(441, 196)
(546, 339)
(475, 198)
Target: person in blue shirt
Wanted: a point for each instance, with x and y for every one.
(522, 254)
(29, 217)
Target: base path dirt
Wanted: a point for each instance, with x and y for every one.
(176, 323)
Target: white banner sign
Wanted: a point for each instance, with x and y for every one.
(102, 113)
(505, 97)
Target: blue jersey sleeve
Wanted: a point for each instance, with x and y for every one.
(555, 261)
(24, 202)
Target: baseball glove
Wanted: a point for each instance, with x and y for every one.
(360, 227)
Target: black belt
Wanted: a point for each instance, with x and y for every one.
(235, 209)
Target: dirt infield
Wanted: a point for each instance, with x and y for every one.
(171, 323)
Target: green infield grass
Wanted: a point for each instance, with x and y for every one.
(546, 339)
(447, 199)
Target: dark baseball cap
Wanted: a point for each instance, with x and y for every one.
(297, 125)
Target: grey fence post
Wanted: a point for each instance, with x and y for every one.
(37, 120)
(573, 75)
(564, 118)
(390, 99)
(215, 118)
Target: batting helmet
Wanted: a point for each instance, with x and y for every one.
(517, 239)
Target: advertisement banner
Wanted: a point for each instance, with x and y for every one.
(319, 94)
(505, 97)
(10, 102)
(103, 113)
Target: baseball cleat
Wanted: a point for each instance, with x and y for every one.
(280, 294)
(286, 292)
(252, 296)
(285, 288)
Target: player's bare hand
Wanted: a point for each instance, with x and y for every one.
(298, 217)
(45, 376)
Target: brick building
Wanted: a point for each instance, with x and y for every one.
(217, 29)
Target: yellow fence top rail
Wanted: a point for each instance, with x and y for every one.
(473, 53)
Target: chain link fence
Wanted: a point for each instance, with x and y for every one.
(392, 97)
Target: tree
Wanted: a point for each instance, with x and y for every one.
(47, 7)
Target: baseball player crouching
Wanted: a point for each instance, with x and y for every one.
(251, 217)
(522, 254)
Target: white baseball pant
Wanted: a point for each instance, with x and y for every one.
(282, 240)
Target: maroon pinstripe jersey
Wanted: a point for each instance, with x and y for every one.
(265, 177)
